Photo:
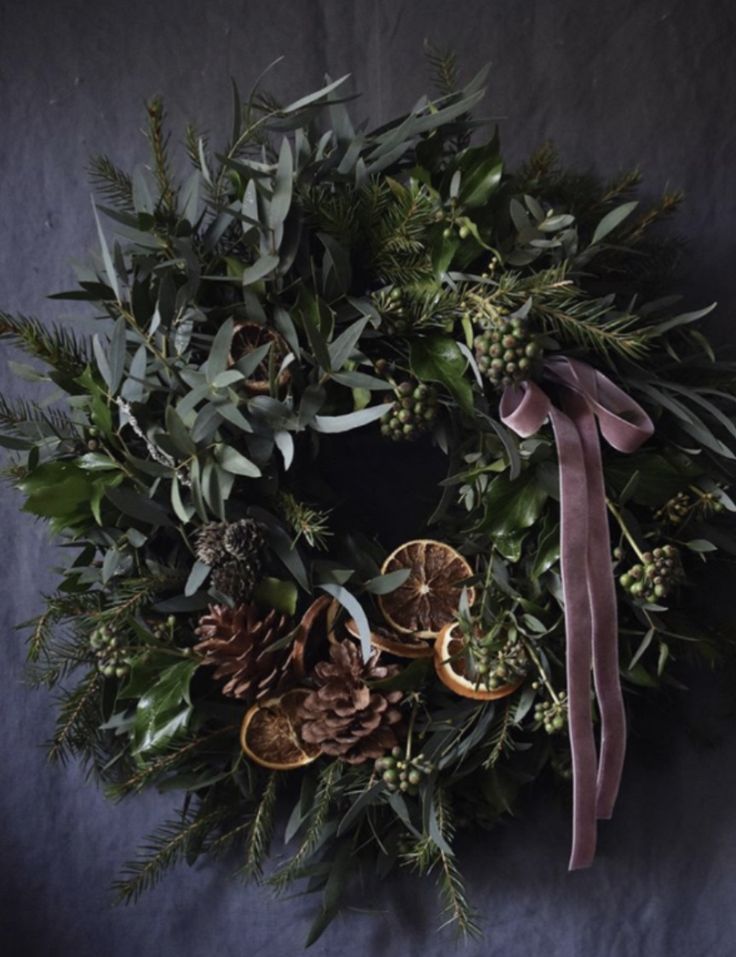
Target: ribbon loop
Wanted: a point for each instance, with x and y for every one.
(590, 403)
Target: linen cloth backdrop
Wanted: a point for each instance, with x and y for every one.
(615, 83)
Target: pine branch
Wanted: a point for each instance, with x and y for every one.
(584, 323)
(442, 68)
(15, 418)
(667, 206)
(159, 142)
(57, 347)
(318, 818)
(499, 738)
(165, 763)
(163, 849)
(40, 637)
(426, 856)
(260, 831)
(78, 720)
(452, 888)
(567, 311)
(113, 185)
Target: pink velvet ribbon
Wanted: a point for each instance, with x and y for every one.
(589, 402)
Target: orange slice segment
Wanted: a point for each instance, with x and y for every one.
(270, 733)
(397, 643)
(449, 663)
(430, 597)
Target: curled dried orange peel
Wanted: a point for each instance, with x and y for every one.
(396, 643)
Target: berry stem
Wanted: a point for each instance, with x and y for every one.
(540, 668)
(624, 529)
(410, 732)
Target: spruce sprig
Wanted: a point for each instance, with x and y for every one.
(79, 719)
(114, 185)
(57, 347)
(165, 848)
(260, 830)
(316, 823)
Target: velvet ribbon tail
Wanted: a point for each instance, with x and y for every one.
(589, 401)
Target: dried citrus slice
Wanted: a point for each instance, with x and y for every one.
(429, 598)
(449, 663)
(405, 646)
(270, 733)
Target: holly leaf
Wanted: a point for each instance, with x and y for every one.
(439, 359)
(512, 505)
(164, 710)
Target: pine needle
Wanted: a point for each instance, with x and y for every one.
(318, 819)
(57, 347)
(260, 831)
(162, 850)
(442, 68)
(113, 185)
(79, 719)
(158, 139)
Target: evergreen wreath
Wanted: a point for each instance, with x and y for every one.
(323, 466)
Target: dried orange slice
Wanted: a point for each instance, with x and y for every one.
(449, 663)
(270, 733)
(405, 646)
(430, 597)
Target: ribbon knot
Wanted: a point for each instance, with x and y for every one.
(589, 402)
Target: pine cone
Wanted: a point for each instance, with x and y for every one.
(209, 545)
(235, 552)
(345, 717)
(222, 542)
(236, 642)
(237, 579)
(243, 539)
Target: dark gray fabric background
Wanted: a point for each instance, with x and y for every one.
(615, 83)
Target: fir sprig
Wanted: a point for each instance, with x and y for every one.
(260, 830)
(164, 848)
(59, 348)
(113, 184)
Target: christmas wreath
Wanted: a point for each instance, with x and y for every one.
(387, 469)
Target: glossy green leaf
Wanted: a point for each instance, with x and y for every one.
(439, 359)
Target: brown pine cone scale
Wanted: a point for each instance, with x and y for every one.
(236, 642)
(343, 715)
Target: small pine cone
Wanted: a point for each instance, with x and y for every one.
(243, 539)
(235, 641)
(210, 544)
(344, 716)
(237, 579)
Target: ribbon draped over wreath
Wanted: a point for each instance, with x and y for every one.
(589, 402)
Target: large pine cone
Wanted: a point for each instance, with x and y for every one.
(236, 642)
(345, 717)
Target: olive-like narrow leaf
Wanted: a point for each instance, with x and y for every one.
(260, 268)
(313, 97)
(611, 220)
(106, 257)
(351, 420)
(197, 577)
(282, 185)
(233, 461)
(351, 604)
(220, 351)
